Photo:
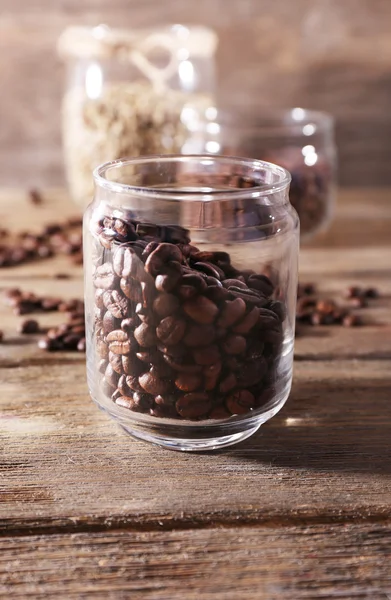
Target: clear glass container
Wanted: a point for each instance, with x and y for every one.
(301, 141)
(190, 291)
(131, 93)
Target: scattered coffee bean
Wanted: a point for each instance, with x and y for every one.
(28, 326)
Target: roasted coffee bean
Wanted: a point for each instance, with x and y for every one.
(28, 326)
(105, 277)
(165, 305)
(267, 319)
(326, 307)
(359, 302)
(1, 336)
(261, 283)
(353, 292)
(164, 412)
(149, 248)
(194, 405)
(219, 412)
(158, 260)
(201, 309)
(279, 309)
(81, 346)
(248, 322)
(109, 322)
(236, 283)
(102, 348)
(240, 402)
(116, 363)
(153, 385)
(167, 281)
(115, 395)
(188, 382)
(206, 356)
(99, 298)
(133, 383)
(131, 365)
(218, 294)
(175, 234)
(199, 335)
(145, 335)
(102, 365)
(209, 269)
(213, 281)
(51, 345)
(120, 342)
(126, 262)
(180, 366)
(248, 295)
(146, 316)
(216, 258)
(131, 288)
(137, 402)
(232, 311)
(129, 324)
(252, 372)
(372, 293)
(166, 400)
(162, 369)
(211, 375)
(171, 330)
(190, 285)
(233, 363)
(351, 321)
(123, 387)
(107, 389)
(227, 384)
(111, 376)
(148, 356)
(116, 303)
(234, 344)
(71, 341)
(176, 351)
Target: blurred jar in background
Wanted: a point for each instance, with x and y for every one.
(131, 93)
(301, 141)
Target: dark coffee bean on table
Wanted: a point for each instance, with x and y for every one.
(29, 326)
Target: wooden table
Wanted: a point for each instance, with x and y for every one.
(301, 510)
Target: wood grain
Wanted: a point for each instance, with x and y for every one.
(339, 561)
(301, 510)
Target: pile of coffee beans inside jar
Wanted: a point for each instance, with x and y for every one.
(181, 333)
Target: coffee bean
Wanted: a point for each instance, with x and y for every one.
(234, 344)
(240, 402)
(209, 269)
(129, 324)
(216, 258)
(190, 285)
(145, 335)
(213, 281)
(232, 311)
(279, 309)
(120, 342)
(102, 348)
(166, 400)
(193, 405)
(81, 346)
(248, 322)
(105, 277)
(168, 280)
(199, 335)
(147, 356)
(372, 293)
(227, 283)
(220, 412)
(211, 375)
(267, 319)
(359, 302)
(28, 326)
(1, 336)
(131, 365)
(188, 382)
(158, 260)
(182, 367)
(162, 369)
(109, 322)
(201, 309)
(206, 356)
(111, 376)
(176, 351)
(261, 283)
(124, 401)
(217, 294)
(252, 372)
(353, 292)
(131, 288)
(171, 330)
(99, 298)
(351, 321)
(163, 412)
(228, 383)
(116, 362)
(250, 297)
(165, 305)
(102, 365)
(116, 303)
(153, 385)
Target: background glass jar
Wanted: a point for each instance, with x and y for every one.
(190, 289)
(131, 93)
(302, 141)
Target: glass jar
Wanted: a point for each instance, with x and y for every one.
(301, 141)
(131, 93)
(190, 290)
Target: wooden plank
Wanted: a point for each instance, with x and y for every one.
(339, 562)
(326, 456)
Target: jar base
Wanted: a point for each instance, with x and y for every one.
(192, 445)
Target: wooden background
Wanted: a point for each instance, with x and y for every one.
(326, 54)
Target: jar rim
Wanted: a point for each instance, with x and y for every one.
(279, 121)
(204, 194)
(103, 41)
